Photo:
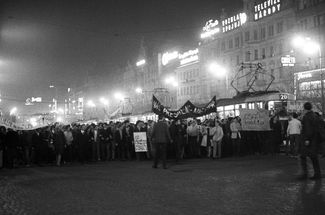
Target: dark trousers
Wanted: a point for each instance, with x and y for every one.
(314, 160)
(95, 151)
(110, 150)
(160, 152)
(194, 146)
(236, 147)
(81, 150)
(294, 142)
(179, 147)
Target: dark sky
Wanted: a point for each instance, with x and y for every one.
(59, 41)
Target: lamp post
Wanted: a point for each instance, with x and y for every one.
(219, 71)
(309, 46)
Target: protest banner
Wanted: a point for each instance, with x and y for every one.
(140, 141)
(255, 120)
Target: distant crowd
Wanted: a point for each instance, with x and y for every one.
(213, 138)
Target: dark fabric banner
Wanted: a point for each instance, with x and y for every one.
(186, 111)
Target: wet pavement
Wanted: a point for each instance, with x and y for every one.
(248, 185)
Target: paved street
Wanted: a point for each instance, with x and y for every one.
(249, 185)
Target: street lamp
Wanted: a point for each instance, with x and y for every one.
(118, 96)
(220, 72)
(171, 81)
(309, 46)
(139, 90)
(103, 101)
(90, 103)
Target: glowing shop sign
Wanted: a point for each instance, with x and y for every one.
(189, 56)
(141, 62)
(211, 28)
(167, 57)
(288, 60)
(266, 8)
(234, 22)
(304, 75)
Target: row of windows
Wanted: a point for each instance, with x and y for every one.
(262, 53)
(189, 90)
(304, 4)
(317, 20)
(262, 32)
(188, 74)
(257, 34)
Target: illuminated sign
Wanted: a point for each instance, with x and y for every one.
(167, 57)
(304, 75)
(189, 56)
(288, 60)
(234, 22)
(141, 62)
(283, 96)
(266, 8)
(211, 28)
(37, 99)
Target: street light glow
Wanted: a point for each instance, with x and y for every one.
(217, 70)
(311, 47)
(13, 111)
(138, 90)
(60, 110)
(306, 44)
(171, 81)
(103, 101)
(118, 96)
(51, 86)
(90, 103)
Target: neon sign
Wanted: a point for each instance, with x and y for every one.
(189, 56)
(234, 22)
(141, 62)
(288, 60)
(304, 75)
(167, 57)
(211, 28)
(266, 8)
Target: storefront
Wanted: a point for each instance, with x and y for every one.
(308, 85)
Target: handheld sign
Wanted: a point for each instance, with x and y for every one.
(140, 141)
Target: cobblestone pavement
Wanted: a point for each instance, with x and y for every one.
(249, 185)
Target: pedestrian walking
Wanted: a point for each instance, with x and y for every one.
(310, 144)
(293, 132)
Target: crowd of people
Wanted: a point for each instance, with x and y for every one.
(184, 139)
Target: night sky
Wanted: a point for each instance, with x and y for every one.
(57, 42)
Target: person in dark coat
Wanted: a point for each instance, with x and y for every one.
(310, 144)
(276, 127)
(11, 143)
(180, 140)
(160, 137)
(37, 145)
(59, 144)
(3, 132)
(118, 137)
(81, 142)
(127, 134)
(173, 135)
